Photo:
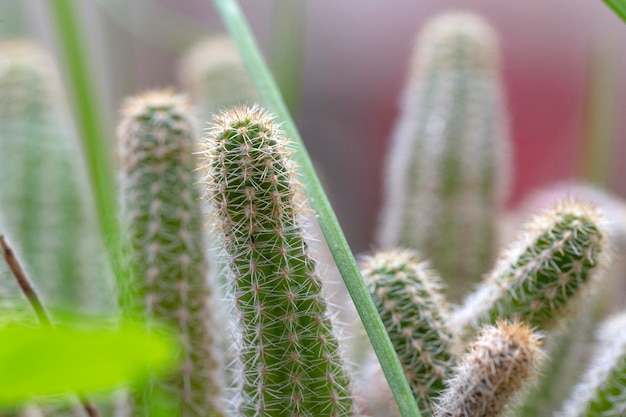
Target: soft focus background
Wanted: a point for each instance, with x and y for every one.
(562, 64)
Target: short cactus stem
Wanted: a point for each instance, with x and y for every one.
(448, 169)
(493, 372)
(164, 221)
(542, 274)
(406, 293)
(289, 356)
(602, 390)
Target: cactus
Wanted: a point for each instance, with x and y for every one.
(602, 391)
(540, 277)
(213, 72)
(499, 362)
(289, 355)
(407, 295)
(164, 219)
(448, 169)
(45, 205)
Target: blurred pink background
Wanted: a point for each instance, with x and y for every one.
(355, 59)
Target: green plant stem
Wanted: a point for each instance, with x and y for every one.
(239, 30)
(618, 6)
(90, 125)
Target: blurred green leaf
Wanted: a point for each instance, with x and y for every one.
(618, 6)
(40, 362)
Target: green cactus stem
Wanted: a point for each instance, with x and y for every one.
(214, 74)
(289, 356)
(164, 220)
(493, 372)
(447, 174)
(602, 390)
(46, 203)
(542, 274)
(407, 294)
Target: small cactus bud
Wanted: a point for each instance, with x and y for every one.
(539, 278)
(406, 293)
(289, 355)
(164, 220)
(448, 169)
(499, 362)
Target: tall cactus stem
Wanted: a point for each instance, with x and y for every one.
(447, 174)
(407, 294)
(163, 217)
(289, 355)
(541, 275)
(493, 373)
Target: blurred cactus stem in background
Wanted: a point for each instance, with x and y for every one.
(44, 198)
(499, 363)
(541, 276)
(448, 170)
(163, 217)
(407, 294)
(289, 356)
(214, 74)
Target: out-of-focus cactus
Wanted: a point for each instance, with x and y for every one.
(288, 354)
(157, 136)
(499, 362)
(406, 293)
(602, 391)
(44, 199)
(448, 170)
(214, 74)
(541, 275)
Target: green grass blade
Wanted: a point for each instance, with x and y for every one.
(238, 28)
(618, 6)
(88, 117)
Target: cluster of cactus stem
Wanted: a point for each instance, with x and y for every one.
(236, 191)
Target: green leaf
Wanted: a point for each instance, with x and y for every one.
(40, 362)
(618, 6)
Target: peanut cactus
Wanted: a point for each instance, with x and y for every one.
(289, 356)
(164, 219)
(406, 293)
(448, 168)
(602, 391)
(46, 204)
(213, 72)
(542, 274)
(499, 362)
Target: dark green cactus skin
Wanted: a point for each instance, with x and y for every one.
(407, 295)
(448, 167)
(289, 356)
(44, 198)
(540, 276)
(163, 217)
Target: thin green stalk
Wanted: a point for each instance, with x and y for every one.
(239, 30)
(618, 6)
(91, 128)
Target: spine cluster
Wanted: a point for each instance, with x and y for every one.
(164, 221)
(541, 275)
(448, 168)
(289, 356)
(493, 372)
(406, 293)
(44, 199)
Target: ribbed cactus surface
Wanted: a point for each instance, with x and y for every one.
(448, 169)
(540, 276)
(44, 198)
(406, 293)
(493, 372)
(214, 74)
(288, 353)
(163, 217)
(602, 391)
